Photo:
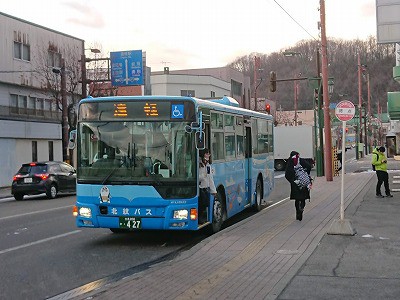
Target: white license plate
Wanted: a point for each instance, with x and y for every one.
(27, 180)
(130, 222)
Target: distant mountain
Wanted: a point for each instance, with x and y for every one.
(377, 60)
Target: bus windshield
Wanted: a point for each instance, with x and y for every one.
(131, 152)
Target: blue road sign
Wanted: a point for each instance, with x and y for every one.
(126, 68)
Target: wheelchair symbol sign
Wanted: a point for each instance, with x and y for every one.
(177, 111)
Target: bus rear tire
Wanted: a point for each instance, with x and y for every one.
(218, 214)
(258, 200)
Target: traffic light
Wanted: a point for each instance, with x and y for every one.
(321, 99)
(268, 108)
(272, 81)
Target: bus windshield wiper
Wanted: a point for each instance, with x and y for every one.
(111, 172)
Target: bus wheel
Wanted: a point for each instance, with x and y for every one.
(218, 213)
(280, 165)
(257, 204)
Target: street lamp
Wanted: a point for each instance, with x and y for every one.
(83, 69)
(93, 50)
(64, 121)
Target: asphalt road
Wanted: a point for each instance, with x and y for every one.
(43, 253)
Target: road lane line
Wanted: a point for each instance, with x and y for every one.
(34, 212)
(39, 241)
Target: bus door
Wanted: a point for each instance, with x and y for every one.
(248, 161)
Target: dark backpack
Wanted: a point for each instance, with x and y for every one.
(377, 157)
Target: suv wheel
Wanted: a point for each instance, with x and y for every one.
(52, 191)
(19, 197)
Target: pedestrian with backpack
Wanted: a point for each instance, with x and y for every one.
(379, 161)
(298, 174)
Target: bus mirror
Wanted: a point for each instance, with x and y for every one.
(200, 138)
(197, 126)
(188, 129)
(72, 139)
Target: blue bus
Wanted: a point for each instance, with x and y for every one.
(138, 159)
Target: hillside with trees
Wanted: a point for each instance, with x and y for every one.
(378, 60)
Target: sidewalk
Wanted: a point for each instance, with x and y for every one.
(5, 192)
(272, 256)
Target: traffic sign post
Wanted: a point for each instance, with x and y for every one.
(344, 111)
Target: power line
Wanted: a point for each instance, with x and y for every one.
(295, 20)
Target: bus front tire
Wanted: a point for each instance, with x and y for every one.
(218, 214)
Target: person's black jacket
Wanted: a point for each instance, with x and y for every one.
(295, 192)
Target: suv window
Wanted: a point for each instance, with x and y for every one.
(55, 169)
(66, 169)
(37, 169)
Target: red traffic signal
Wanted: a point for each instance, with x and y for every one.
(268, 108)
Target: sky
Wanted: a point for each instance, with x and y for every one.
(188, 34)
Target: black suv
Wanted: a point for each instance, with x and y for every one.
(50, 177)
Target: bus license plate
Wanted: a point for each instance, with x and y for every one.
(130, 222)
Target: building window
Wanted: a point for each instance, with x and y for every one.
(22, 51)
(40, 106)
(236, 88)
(51, 152)
(18, 104)
(34, 150)
(53, 59)
(188, 93)
(212, 94)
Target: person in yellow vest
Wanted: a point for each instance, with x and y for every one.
(379, 160)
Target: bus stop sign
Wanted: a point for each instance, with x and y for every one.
(345, 110)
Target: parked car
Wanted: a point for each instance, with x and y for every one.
(50, 177)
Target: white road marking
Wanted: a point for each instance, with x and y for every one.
(39, 242)
(34, 212)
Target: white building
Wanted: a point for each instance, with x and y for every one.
(30, 115)
(203, 83)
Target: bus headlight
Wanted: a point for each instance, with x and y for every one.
(85, 212)
(181, 214)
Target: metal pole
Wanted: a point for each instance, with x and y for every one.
(369, 109)
(320, 154)
(359, 104)
(255, 81)
(64, 105)
(327, 119)
(365, 133)
(84, 79)
(295, 103)
(343, 166)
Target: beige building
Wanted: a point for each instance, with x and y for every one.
(30, 115)
(203, 83)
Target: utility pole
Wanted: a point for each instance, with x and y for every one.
(369, 110)
(359, 104)
(320, 147)
(327, 119)
(256, 67)
(64, 105)
(84, 80)
(296, 86)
